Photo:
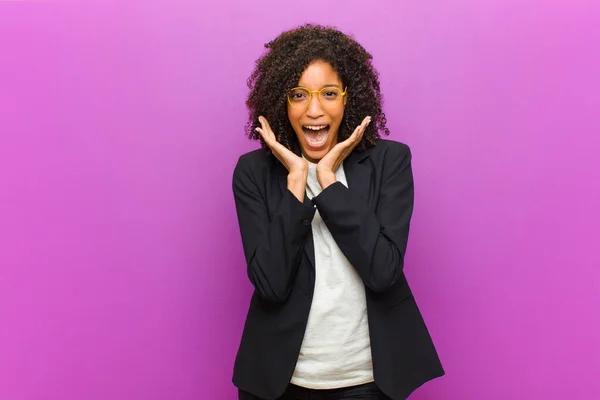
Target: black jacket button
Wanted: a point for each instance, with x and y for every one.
(306, 222)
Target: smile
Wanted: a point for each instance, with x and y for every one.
(315, 136)
(314, 127)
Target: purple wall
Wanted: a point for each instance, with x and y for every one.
(121, 268)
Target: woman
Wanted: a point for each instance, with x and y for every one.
(324, 210)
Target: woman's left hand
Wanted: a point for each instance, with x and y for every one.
(331, 161)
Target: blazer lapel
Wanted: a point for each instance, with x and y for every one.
(358, 173)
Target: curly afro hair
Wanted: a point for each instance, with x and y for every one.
(280, 68)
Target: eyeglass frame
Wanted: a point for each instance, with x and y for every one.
(310, 92)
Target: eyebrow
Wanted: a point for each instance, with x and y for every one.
(327, 85)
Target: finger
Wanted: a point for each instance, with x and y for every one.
(264, 135)
(273, 144)
(268, 128)
(267, 123)
(270, 141)
(265, 127)
(355, 137)
(347, 146)
(361, 130)
(365, 122)
(353, 140)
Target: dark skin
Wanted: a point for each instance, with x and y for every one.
(330, 154)
(298, 167)
(288, 63)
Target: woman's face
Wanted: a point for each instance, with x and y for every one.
(315, 125)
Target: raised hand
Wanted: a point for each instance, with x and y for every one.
(297, 166)
(331, 161)
(291, 161)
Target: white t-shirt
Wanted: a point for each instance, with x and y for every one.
(336, 350)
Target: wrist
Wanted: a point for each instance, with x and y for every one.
(296, 183)
(297, 176)
(299, 170)
(325, 179)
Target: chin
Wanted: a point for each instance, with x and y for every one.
(314, 156)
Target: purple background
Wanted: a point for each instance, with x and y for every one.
(121, 267)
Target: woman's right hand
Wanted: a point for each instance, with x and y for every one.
(291, 161)
(297, 166)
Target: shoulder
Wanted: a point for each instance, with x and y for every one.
(391, 151)
(258, 156)
(253, 162)
(391, 145)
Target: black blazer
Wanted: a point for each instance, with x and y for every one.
(370, 223)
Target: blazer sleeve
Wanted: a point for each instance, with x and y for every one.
(373, 241)
(272, 245)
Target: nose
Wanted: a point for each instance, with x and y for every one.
(314, 108)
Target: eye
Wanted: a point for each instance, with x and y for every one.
(298, 95)
(330, 94)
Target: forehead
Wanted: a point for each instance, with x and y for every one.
(319, 74)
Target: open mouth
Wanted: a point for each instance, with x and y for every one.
(315, 135)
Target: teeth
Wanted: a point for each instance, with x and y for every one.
(315, 128)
